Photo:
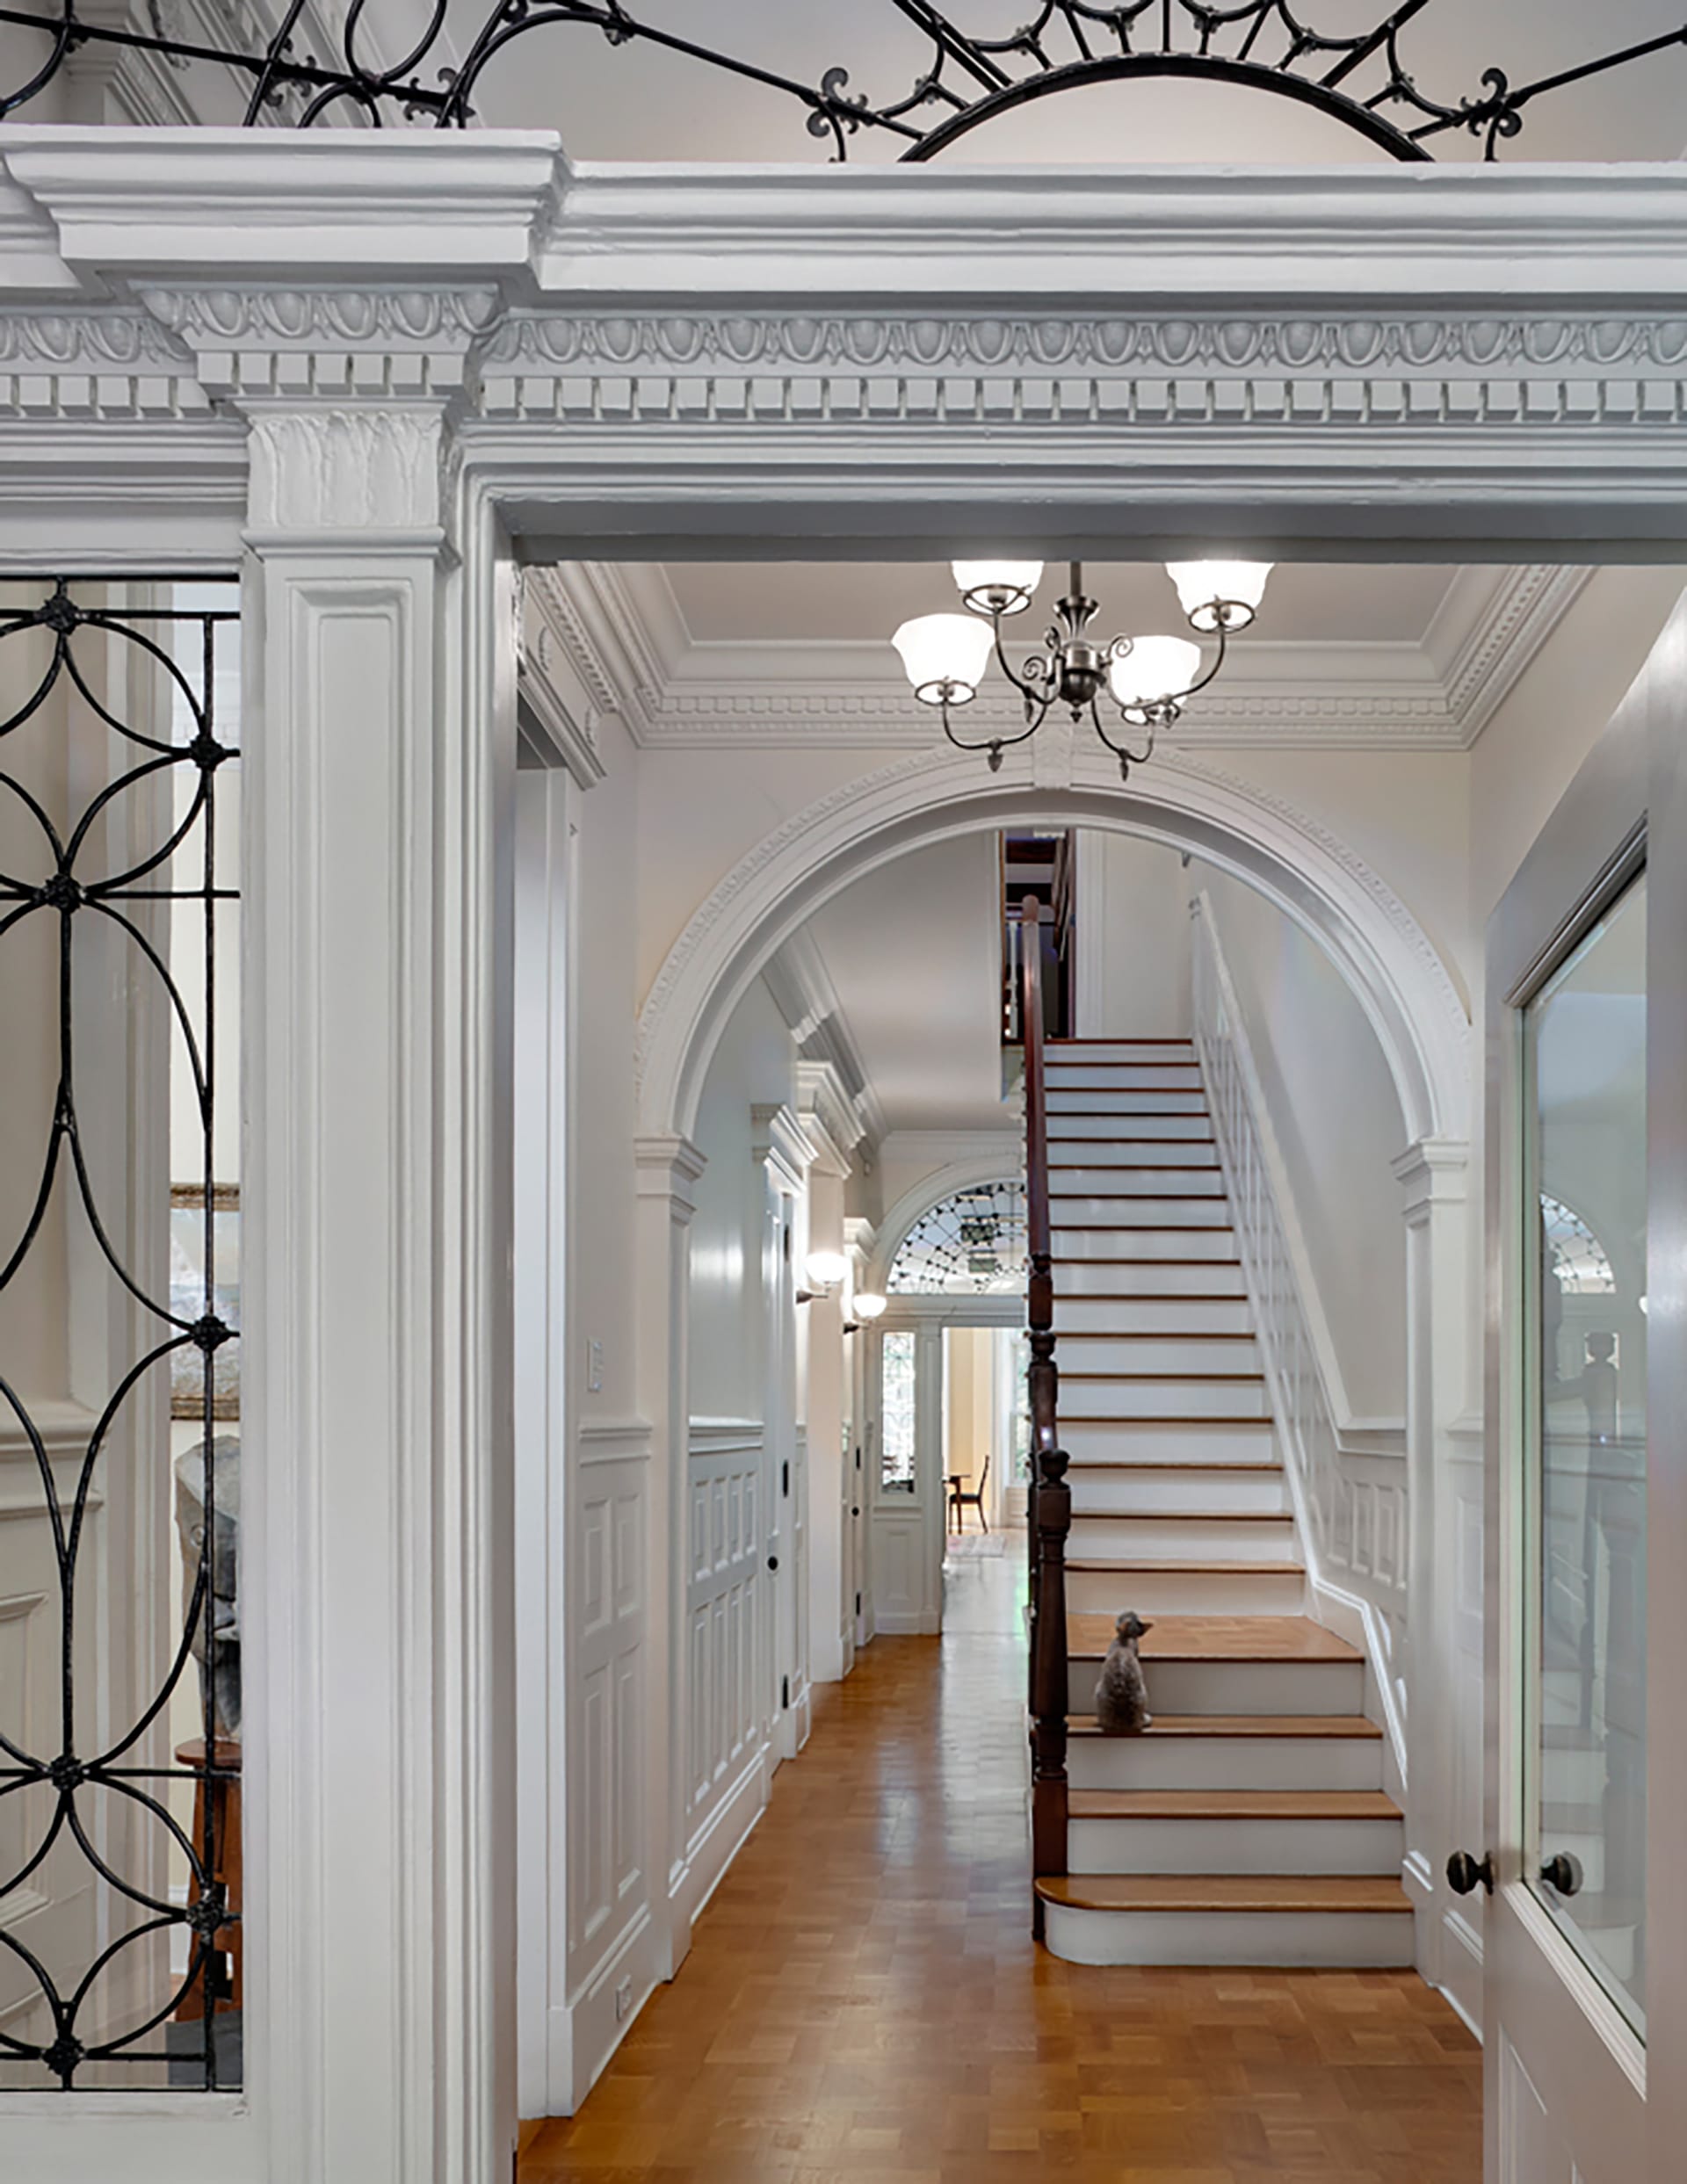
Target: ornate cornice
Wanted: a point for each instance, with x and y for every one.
(95, 363)
(1454, 368)
(355, 342)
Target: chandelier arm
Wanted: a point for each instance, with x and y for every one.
(1125, 756)
(1039, 692)
(1201, 682)
(988, 742)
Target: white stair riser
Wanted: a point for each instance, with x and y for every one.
(1111, 1278)
(1123, 1076)
(1185, 1593)
(1152, 1315)
(1153, 1353)
(1234, 1687)
(1139, 1180)
(1123, 1399)
(1127, 1245)
(1163, 1135)
(1137, 1211)
(1235, 1846)
(1216, 1489)
(1061, 1052)
(1063, 1102)
(1352, 1941)
(1065, 1156)
(1142, 1538)
(1153, 1762)
(1189, 1442)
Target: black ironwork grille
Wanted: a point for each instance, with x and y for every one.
(120, 1708)
(1360, 78)
(971, 1244)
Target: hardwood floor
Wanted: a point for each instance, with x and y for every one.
(864, 2004)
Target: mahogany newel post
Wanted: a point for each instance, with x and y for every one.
(1049, 1510)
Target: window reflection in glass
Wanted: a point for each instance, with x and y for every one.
(897, 1415)
(1585, 1057)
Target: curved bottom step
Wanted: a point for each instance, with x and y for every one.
(1328, 1921)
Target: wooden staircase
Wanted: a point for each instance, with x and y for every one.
(1249, 1825)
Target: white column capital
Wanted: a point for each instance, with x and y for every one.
(1432, 1172)
(778, 1137)
(668, 1166)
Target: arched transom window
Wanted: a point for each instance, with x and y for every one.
(1577, 1259)
(971, 1244)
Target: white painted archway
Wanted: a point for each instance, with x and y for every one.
(1396, 974)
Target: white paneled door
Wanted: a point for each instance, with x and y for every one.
(1586, 2008)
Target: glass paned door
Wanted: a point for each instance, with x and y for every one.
(1585, 1447)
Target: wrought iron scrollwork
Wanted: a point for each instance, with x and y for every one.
(109, 843)
(1359, 79)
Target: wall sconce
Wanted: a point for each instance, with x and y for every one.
(824, 1271)
(868, 1307)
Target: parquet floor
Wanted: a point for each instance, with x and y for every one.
(864, 2004)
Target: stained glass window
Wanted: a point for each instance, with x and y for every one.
(972, 1244)
(896, 1430)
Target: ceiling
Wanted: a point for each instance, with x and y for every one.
(723, 654)
(638, 101)
(856, 602)
(925, 1028)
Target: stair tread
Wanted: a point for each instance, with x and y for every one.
(1215, 1637)
(1146, 1463)
(1187, 1517)
(1225, 1892)
(1358, 1727)
(1231, 1805)
(1136, 1378)
(1161, 1418)
(1156, 1566)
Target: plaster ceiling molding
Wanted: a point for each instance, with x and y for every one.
(830, 1114)
(778, 1137)
(805, 996)
(567, 710)
(1393, 967)
(1487, 632)
(390, 345)
(100, 363)
(1435, 693)
(1341, 372)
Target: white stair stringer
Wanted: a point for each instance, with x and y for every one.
(1249, 1824)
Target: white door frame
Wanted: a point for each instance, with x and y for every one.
(1558, 2059)
(350, 383)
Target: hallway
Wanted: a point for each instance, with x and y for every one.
(864, 2001)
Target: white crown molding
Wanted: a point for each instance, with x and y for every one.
(568, 712)
(676, 693)
(805, 995)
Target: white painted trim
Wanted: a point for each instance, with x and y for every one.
(1393, 967)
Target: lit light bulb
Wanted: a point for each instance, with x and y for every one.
(869, 1305)
(1155, 671)
(1217, 594)
(825, 1269)
(945, 656)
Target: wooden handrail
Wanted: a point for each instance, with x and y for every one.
(1049, 1510)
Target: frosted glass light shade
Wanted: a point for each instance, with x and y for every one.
(1219, 591)
(869, 1305)
(997, 587)
(1154, 668)
(825, 1269)
(945, 656)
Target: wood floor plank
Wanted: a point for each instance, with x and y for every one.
(1215, 1637)
(863, 2002)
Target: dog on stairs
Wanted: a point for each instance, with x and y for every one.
(1122, 1690)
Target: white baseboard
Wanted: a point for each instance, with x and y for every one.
(581, 2036)
(925, 1625)
(715, 1845)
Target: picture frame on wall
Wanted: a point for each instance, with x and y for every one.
(188, 1246)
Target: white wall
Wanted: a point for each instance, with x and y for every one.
(1132, 939)
(755, 1065)
(1338, 1123)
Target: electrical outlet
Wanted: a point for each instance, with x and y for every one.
(594, 1366)
(623, 2001)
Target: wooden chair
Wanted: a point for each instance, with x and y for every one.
(962, 1501)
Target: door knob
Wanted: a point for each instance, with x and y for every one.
(1464, 1874)
(1562, 1873)
(773, 1562)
